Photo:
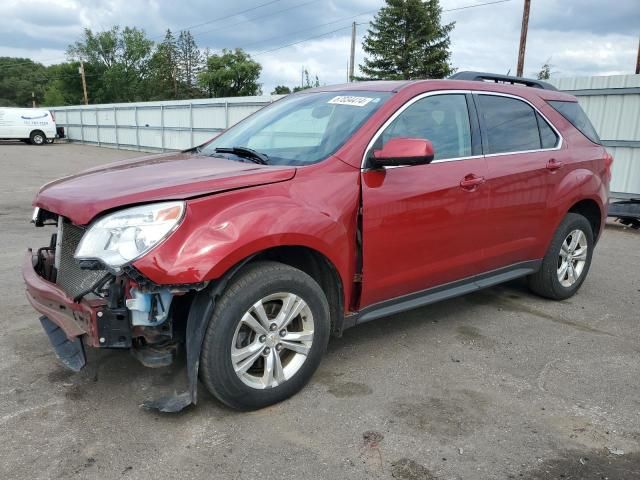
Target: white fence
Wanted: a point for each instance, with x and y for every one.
(155, 126)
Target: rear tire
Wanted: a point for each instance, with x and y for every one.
(37, 138)
(266, 336)
(567, 262)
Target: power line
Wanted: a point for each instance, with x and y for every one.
(298, 31)
(227, 27)
(302, 41)
(311, 28)
(475, 5)
(349, 26)
(19, 64)
(225, 17)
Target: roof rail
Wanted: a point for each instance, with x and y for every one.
(497, 78)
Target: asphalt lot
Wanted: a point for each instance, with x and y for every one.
(498, 384)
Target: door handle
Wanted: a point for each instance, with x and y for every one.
(471, 182)
(554, 165)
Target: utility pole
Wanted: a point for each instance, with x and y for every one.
(33, 99)
(353, 51)
(638, 59)
(523, 37)
(84, 83)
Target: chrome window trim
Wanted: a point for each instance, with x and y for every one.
(397, 114)
(463, 92)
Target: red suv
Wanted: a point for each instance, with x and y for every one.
(329, 208)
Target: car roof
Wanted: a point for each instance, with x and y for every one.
(445, 84)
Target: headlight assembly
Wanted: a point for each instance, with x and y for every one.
(123, 236)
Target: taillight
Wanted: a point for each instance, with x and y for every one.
(608, 161)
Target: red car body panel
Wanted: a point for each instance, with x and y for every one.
(420, 228)
(317, 210)
(164, 177)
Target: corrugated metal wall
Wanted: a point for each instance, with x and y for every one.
(613, 105)
(155, 126)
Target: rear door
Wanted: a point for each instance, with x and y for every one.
(424, 225)
(523, 158)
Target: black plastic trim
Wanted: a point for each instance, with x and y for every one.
(443, 292)
(497, 78)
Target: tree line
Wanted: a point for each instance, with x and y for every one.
(123, 65)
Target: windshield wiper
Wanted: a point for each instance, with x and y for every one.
(244, 152)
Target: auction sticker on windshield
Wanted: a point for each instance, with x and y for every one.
(350, 100)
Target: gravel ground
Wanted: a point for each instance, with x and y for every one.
(498, 384)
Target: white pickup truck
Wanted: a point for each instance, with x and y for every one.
(33, 125)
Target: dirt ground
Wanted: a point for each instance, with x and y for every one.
(495, 385)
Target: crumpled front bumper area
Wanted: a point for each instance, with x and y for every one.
(69, 352)
(63, 319)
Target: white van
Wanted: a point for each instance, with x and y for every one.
(34, 125)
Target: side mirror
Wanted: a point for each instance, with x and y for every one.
(403, 151)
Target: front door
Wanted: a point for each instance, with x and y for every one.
(424, 225)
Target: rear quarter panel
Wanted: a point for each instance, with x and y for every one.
(584, 176)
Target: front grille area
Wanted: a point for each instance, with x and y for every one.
(71, 278)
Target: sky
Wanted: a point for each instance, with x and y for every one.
(576, 37)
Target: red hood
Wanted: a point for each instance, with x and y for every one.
(158, 177)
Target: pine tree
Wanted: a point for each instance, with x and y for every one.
(190, 62)
(164, 69)
(406, 40)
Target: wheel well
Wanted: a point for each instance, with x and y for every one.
(318, 267)
(590, 210)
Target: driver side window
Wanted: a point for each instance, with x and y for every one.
(442, 119)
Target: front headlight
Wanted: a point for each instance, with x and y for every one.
(123, 236)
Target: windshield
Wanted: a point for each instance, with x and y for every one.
(300, 129)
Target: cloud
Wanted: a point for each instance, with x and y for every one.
(580, 37)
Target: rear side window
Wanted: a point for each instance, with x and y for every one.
(548, 137)
(510, 125)
(573, 112)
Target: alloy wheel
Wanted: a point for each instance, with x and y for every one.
(272, 340)
(572, 258)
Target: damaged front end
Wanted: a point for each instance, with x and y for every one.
(84, 303)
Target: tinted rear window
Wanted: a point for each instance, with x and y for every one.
(573, 112)
(510, 125)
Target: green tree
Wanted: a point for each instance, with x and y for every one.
(189, 61)
(230, 74)
(163, 78)
(308, 83)
(545, 72)
(406, 40)
(53, 97)
(64, 83)
(19, 77)
(121, 57)
(281, 90)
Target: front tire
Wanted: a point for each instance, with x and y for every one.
(266, 336)
(567, 262)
